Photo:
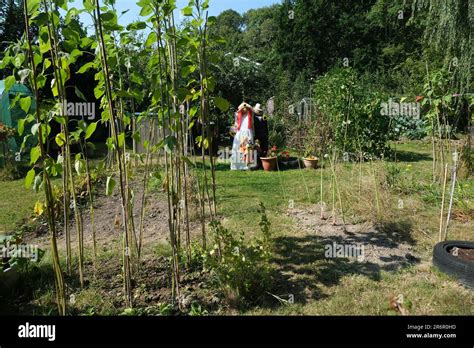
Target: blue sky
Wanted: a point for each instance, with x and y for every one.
(216, 7)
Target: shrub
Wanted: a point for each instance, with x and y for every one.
(351, 113)
(241, 267)
(409, 127)
(12, 256)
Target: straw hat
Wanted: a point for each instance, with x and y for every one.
(244, 105)
(258, 109)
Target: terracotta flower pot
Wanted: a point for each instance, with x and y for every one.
(269, 163)
(311, 163)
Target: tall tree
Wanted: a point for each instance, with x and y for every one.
(11, 27)
(449, 31)
(229, 25)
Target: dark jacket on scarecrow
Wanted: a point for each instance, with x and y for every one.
(261, 130)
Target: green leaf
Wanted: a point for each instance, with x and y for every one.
(187, 70)
(211, 83)
(110, 185)
(60, 120)
(151, 39)
(126, 119)
(193, 111)
(62, 4)
(136, 26)
(41, 80)
(146, 10)
(71, 14)
(46, 64)
(85, 68)
(135, 78)
(170, 142)
(32, 5)
(35, 154)
(74, 55)
(4, 62)
(136, 136)
(34, 128)
(9, 82)
(110, 143)
(21, 126)
(79, 93)
(37, 183)
(107, 16)
(121, 139)
(99, 91)
(54, 87)
(89, 5)
(105, 115)
(14, 101)
(29, 178)
(222, 104)
(86, 42)
(90, 130)
(25, 104)
(187, 11)
(60, 139)
(46, 131)
(18, 60)
(82, 125)
(44, 41)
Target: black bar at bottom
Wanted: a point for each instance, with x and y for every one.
(291, 331)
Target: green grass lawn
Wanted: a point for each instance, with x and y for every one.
(239, 193)
(16, 204)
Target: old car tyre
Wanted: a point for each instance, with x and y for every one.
(453, 265)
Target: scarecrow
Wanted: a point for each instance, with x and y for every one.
(243, 148)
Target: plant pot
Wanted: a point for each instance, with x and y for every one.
(311, 163)
(269, 163)
(290, 162)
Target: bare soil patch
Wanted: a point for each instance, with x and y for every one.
(387, 246)
(108, 222)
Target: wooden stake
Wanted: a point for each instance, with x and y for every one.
(453, 185)
(442, 203)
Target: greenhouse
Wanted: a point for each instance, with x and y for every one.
(10, 116)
